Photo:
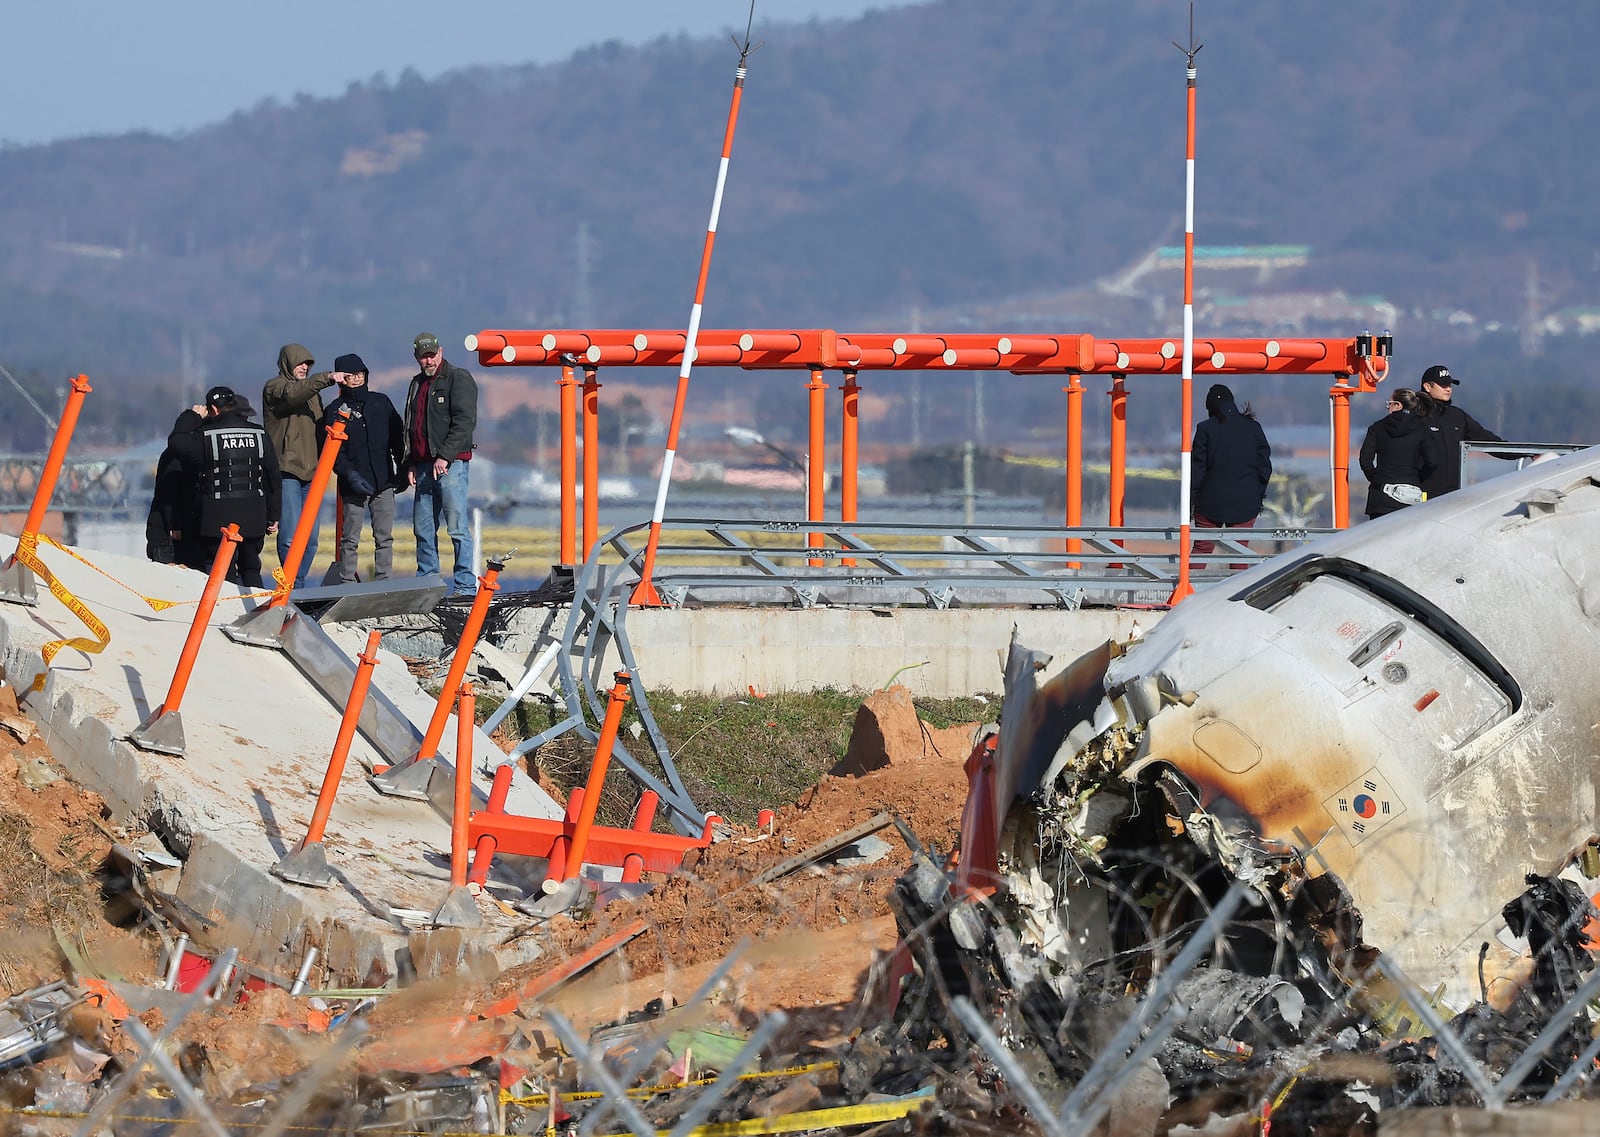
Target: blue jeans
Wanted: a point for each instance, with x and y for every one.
(294, 500)
(443, 498)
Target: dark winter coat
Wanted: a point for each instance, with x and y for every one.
(292, 413)
(172, 510)
(233, 470)
(1231, 466)
(374, 445)
(1399, 450)
(1451, 427)
(451, 417)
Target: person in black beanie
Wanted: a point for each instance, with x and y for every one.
(234, 479)
(367, 467)
(1232, 464)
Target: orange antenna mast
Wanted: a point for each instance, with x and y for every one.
(1185, 509)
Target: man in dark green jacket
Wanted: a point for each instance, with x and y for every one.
(292, 417)
(441, 414)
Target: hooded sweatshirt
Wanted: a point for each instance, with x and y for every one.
(1399, 450)
(292, 413)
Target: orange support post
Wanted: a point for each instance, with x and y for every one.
(644, 813)
(488, 585)
(1074, 518)
(313, 506)
(1118, 476)
(483, 854)
(568, 386)
(45, 490)
(816, 457)
(591, 459)
(365, 662)
(308, 864)
(1339, 395)
(597, 775)
(461, 813)
(849, 440)
(163, 730)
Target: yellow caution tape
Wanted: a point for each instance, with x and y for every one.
(836, 1117)
(536, 1101)
(155, 602)
(28, 554)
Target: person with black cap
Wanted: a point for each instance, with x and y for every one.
(1231, 464)
(441, 414)
(1451, 426)
(292, 416)
(367, 468)
(233, 473)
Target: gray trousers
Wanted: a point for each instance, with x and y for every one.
(380, 508)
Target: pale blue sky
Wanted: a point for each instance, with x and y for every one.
(80, 67)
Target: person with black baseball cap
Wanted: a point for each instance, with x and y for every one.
(232, 472)
(1451, 426)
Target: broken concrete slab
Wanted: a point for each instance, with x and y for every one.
(258, 737)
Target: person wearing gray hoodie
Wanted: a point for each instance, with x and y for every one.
(292, 416)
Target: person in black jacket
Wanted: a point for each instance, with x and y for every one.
(1399, 455)
(233, 471)
(367, 468)
(169, 530)
(441, 414)
(1231, 466)
(1451, 427)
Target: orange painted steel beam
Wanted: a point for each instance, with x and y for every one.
(461, 803)
(202, 616)
(1117, 477)
(311, 508)
(816, 457)
(1074, 517)
(1340, 396)
(540, 837)
(483, 848)
(487, 586)
(367, 660)
(807, 349)
(584, 824)
(45, 490)
(567, 386)
(591, 459)
(849, 452)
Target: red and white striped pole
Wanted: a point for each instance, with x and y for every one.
(1185, 509)
(644, 592)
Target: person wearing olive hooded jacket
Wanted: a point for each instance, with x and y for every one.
(292, 416)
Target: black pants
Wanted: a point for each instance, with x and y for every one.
(246, 567)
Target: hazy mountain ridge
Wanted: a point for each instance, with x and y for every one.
(935, 157)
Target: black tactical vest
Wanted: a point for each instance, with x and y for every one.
(232, 479)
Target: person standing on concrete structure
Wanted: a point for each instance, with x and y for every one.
(235, 477)
(441, 414)
(1398, 455)
(292, 416)
(368, 467)
(1232, 464)
(1451, 426)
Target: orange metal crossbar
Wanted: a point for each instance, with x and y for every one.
(539, 836)
(813, 348)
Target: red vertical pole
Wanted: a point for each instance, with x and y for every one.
(487, 586)
(591, 459)
(568, 387)
(849, 454)
(483, 855)
(1118, 476)
(644, 592)
(1185, 514)
(312, 506)
(461, 813)
(202, 614)
(1339, 396)
(597, 776)
(368, 659)
(45, 490)
(816, 456)
(1074, 518)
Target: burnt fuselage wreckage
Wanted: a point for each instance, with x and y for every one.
(1364, 773)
